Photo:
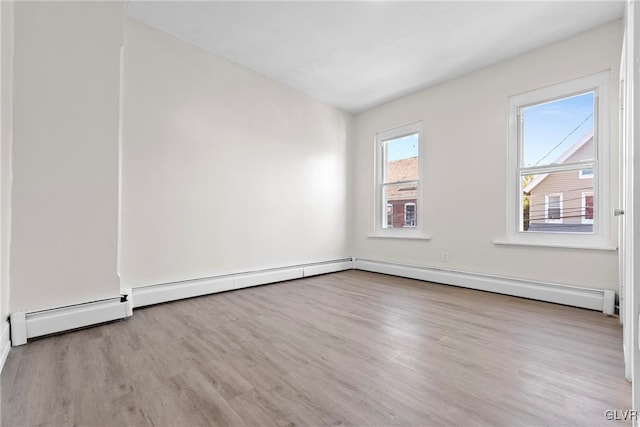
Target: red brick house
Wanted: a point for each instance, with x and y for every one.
(402, 209)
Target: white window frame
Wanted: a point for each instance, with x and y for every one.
(546, 208)
(582, 175)
(584, 219)
(415, 214)
(600, 237)
(380, 208)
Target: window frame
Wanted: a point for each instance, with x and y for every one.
(600, 237)
(548, 220)
(380, 164)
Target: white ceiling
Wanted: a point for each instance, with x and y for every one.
(356, 55)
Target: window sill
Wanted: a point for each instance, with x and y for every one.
(390, 236)
(556, 245)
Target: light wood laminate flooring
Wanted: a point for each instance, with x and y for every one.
(350, 348)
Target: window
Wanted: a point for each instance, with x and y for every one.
(409, 214)
(553, 207)
(585, 173)
(398, 178)
(558, 150)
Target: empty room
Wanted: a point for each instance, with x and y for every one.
(364, 213)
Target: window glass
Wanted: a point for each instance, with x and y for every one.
(551, 129)
(557, 134)
(401, 159)
(555, 202)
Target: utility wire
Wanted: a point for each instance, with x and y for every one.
(560, 217)
(544, 204)
(564, 211)
(571, 190)
(563, 139)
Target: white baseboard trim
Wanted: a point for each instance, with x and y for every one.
(327, 267)
(5, 344)
(594, 299)
(156, 294)
(268, 276)
(25, 325)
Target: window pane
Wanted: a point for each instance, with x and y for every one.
(409, 215)
(557, 202)
(397, 198)
(401, 156)
(559, 131)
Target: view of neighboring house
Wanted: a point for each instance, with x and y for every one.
(401, 200)
(563, 201)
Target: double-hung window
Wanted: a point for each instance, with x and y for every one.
(558, 164)
(398, 205)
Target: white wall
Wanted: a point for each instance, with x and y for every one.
(465, 130)
(65, 153)
(6, 92)
(224, 170)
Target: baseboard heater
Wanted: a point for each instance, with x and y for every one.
(156, 294)
(25, 324)
(594, 299)
(31, 324)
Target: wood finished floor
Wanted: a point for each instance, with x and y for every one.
(350, 348)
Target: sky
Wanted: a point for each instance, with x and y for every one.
(546, 125)
(402, 148)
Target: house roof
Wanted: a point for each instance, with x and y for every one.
(563, 158)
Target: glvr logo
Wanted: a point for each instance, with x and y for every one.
(621, 414)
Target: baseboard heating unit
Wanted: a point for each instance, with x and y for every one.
(25, 324)
(30, 324)
(594, 299)
(155, 294)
